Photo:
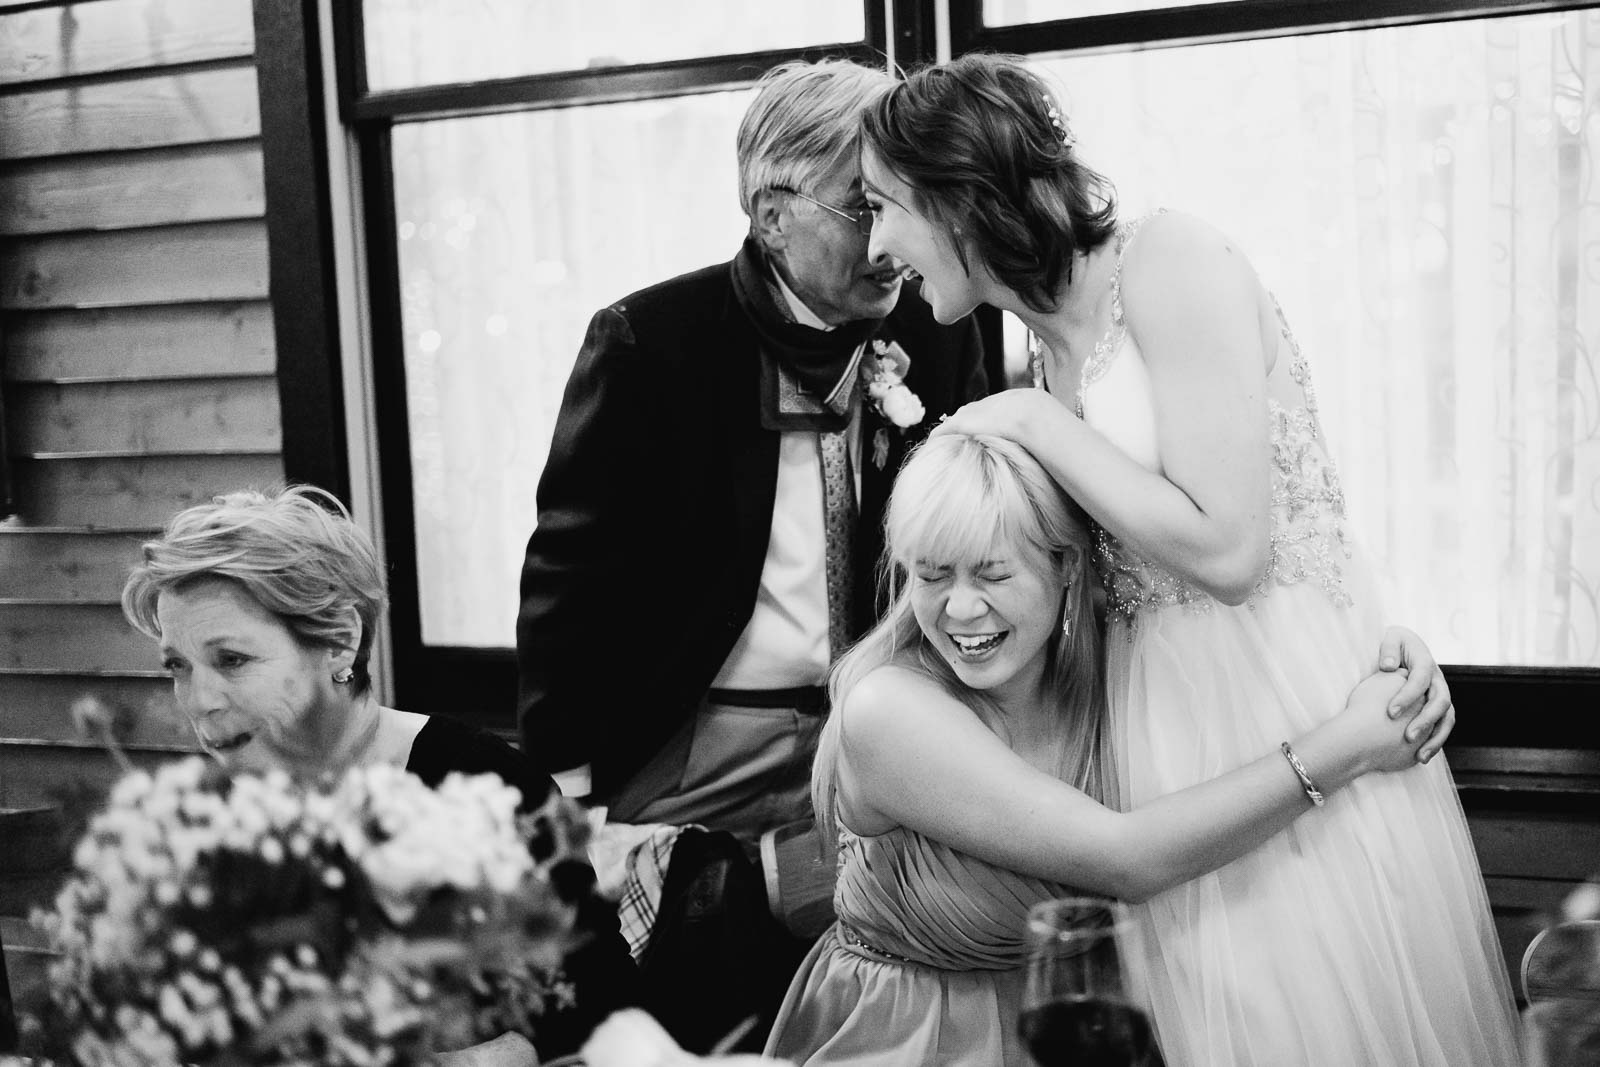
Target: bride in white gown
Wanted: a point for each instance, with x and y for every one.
(1175, 405)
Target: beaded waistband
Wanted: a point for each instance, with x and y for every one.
(849, 936)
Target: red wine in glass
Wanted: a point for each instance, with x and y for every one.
(1079, 1008)
(1088, 1032)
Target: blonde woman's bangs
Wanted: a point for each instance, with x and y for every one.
(960, 506)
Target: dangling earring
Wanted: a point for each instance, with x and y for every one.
(1066, 611)
(343, 677)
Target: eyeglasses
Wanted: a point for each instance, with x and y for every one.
(860, 218)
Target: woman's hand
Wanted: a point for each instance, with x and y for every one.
(1434, 719)
(1365, 733)
(1020, 415)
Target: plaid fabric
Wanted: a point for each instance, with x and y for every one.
(641, 891)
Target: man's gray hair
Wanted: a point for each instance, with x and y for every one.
(803, 124)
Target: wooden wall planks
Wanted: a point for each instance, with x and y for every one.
(148, 418)
(34, 774)
(130, 491)
(137, 347)
(209, 339)
(66, 565)
(205, 261)
(72, 637)
(79, 39)
(137, 112)
(120, 190)
(39, 706)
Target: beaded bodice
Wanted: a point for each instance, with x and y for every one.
(1308, 540)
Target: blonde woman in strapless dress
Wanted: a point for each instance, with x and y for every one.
(960, 771)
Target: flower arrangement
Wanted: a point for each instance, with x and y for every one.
(360, 922)
(883, 369)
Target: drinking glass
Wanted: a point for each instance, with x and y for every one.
(1078, 1007)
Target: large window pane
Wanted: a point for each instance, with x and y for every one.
(1422, 201)
(1018, 12)
(514, 230)
(433, 42)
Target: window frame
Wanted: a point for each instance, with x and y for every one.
(1238, 20)
(478, 684)
(1498, 707)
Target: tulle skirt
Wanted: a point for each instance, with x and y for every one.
(1361, 935)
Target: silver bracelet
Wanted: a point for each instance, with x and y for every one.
(1313, 794)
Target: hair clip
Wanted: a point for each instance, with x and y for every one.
(1067, 140)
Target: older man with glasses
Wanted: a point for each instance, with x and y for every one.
(710, 514)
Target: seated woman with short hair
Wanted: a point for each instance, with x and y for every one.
(265, 606)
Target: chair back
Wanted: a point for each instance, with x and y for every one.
(800, 870)
(1561, 980)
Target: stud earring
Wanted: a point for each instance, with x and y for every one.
(343, 677)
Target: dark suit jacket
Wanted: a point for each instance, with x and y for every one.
(654, 513)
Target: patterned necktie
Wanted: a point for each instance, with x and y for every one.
(839, 521)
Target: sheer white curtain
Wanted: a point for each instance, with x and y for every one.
(1421, 200)
(514, 230)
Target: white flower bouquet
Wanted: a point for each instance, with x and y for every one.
(367, 921)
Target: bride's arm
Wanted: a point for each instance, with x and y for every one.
(1190, 301)
(912, 755)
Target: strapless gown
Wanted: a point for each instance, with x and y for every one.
(924, 966)
(1361, 936)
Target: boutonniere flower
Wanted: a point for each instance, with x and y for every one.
(884, 371)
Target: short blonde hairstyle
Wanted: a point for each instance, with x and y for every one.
(296, 551)
(804, 124)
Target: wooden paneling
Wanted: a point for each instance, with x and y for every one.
(1538, 895)
(1531, 859)
(227, 414)
(143, 112)
(37, 855)
(28, 957)
(1522, 907)
(32, 775)
(96, 38)
(147, 342)
(72, 637)
(139, 350)
(40, 706)
(1553, 845)
(131, 492)
(117, 191)
(67, 566)
(208, 261)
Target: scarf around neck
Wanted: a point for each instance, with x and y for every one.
(807, 375)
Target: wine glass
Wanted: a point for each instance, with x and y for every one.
(1078, 1007)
